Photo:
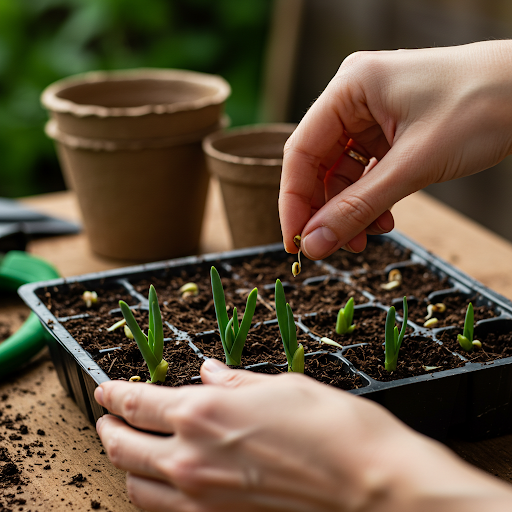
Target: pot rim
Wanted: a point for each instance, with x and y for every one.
(52, 102)
(210, 150)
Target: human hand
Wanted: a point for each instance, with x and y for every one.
(424, 116)
(249, 442)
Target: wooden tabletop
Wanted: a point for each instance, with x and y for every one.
(61, 461)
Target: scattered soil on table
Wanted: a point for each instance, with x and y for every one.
(455, 314)
(376, 256)
(495, 343)
(416, 353)
(418, 282)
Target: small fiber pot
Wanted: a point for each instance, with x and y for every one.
(129, 144)
(247, 162)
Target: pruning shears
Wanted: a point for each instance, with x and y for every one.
(18, 268)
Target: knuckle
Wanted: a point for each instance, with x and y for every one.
(114, 450)
(182, 470)
(130, 405)
(133, 491)
(190, 415)
(357, 211)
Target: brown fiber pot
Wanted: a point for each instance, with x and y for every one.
(129, 144)
(247, 162)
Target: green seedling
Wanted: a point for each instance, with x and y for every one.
(465, 339)
(152, 345)
(294, 353)
(232, 334)
(393, 339)
(344, 323)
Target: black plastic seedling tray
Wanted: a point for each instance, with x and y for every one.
(472, 401)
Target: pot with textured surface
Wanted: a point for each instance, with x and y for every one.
(129, 144)
(247, 162)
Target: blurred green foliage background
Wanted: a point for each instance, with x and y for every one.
(42, 41)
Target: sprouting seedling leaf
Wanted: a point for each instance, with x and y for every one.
(465, 339)
(393, 338)
(232, 334)
(344, 323)
(152, 345)
(294, 352)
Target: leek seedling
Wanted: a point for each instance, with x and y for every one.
(152, 345)
(393, 339)
(232, 334)
(344, 323)
(294, 353)
(465, 339)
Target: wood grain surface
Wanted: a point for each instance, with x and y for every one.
(36, 395)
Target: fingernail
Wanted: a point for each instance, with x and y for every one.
(98, 423)
(98, 395)
(318, 243)
(385, 223)
(214, 366)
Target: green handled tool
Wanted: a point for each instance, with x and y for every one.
(17, 268)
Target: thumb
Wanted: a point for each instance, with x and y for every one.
(217, 373)
(345, 217)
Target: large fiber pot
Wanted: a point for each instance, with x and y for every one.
(247, 162)
(129, 144)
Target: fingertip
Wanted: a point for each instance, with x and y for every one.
(98, 395)
(385, 222)
(357, 244)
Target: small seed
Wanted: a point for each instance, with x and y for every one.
(395, 275)
(430, 311)
(128, 332)
(189, 290)
(295, 269)
(439, 307)
(328, 341)
(477, 343)
(394, 280)
(431, 322)
(430, 368)
(391, 285)
(135, 378)
(117, 325)
(296, 240)
(90, 298)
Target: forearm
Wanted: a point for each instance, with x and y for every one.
(426, 476)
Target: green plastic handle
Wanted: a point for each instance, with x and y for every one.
(17, 268)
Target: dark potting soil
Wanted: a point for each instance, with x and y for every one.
(263, 345)
(455, 314)
(321, 293)
(417, 281)
(68, 301)
(495, 344)
(376, 256)
(370, 323)
(418, 355)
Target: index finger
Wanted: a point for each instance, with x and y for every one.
(144, 406)
(318, 140)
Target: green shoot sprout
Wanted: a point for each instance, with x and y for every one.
(294, 353)
(232, 334)
(466, 340)
(152, 345)
(344, 323)
(393, 339)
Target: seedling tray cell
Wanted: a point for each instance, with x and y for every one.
(463, 395)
